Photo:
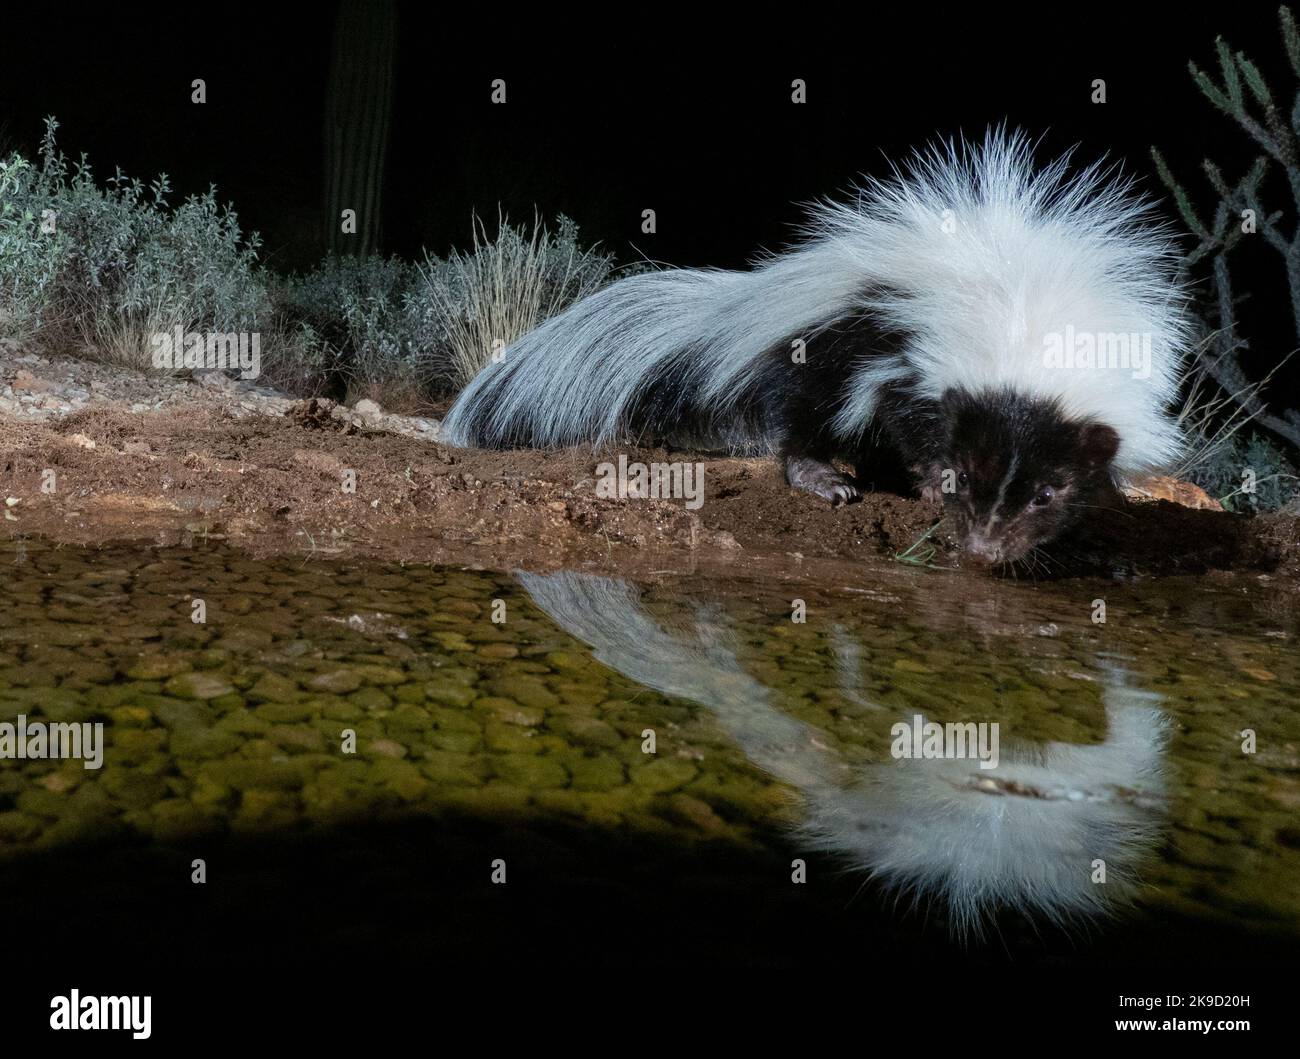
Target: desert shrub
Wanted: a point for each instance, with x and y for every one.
(351, 317)
(479, 300)
(99, 268)
(296, 361)
(118, 262)
(1221, 472)
(29, 258)
(381, 328)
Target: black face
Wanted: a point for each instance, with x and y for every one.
(1016, 472)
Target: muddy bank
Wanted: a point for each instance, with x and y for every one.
(276, 476)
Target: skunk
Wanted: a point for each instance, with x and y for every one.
(1013, 335)
(1026, 834)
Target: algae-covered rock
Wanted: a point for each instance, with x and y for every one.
(272, 687)
(243, 722)
(587, 731)
(159, 666)
(460, 770)
(19, 827)
(698, 813)
(510, 712)
(410, 692)
(370, 699)
(109, 696)
(265, 810)
(134, 746)
(531, 693)
(458, 742)
(203, 743)
(561, 801)
(335, 681)
(176, 713)
(133, 788)
(241, 774)
(53, 704)
(452, 641)
(596, 773)
(198, 685)
(296, 737)
(384, 676)
(570, 662)
(529, 771)
(86, 673)
(210, 796)
(510, 739)
(403, 778)
(578, 698)
(334, 708)
(287, 712)
(497, 798)
(131, 717)
(450, 693)
(409, 723)
(664, 774)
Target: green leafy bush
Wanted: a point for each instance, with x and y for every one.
(107, 267)
(29, 258)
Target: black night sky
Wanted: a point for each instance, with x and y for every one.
(641, 109)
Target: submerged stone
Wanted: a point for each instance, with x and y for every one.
(665, 774)
(335, 681)
(530, 770)
(198, 685)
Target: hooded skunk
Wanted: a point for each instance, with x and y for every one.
(1025, 834)
(1014, 335)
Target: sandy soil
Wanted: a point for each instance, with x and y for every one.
(268, 474)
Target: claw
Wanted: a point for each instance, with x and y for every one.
(820, 479)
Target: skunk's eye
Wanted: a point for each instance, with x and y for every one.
(1044, 496)
(963, 478)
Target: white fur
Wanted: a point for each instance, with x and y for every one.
(924, 827)
(981, 258)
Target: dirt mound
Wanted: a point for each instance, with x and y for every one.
(311, 481)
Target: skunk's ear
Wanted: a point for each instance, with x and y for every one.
(1098, 444)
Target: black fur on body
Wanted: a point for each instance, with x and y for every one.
(1013, 472)
(940, 311)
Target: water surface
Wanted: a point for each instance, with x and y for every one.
(352, 748)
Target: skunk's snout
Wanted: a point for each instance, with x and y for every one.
(983, 549)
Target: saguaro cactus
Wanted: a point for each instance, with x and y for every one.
(358, 106)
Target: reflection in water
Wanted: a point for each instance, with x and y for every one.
(1056, 827)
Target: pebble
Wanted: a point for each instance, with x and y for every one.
(198, 686)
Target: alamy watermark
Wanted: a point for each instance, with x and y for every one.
(25, 740)
(652, 481)
(178, 349)
(1073, 350)
(77, 1012)
(929, 739)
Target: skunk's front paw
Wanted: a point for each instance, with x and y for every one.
(820, 479)
(929, 482)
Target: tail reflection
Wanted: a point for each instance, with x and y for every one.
(1036, 833)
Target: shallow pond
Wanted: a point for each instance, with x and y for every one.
(704, 764)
